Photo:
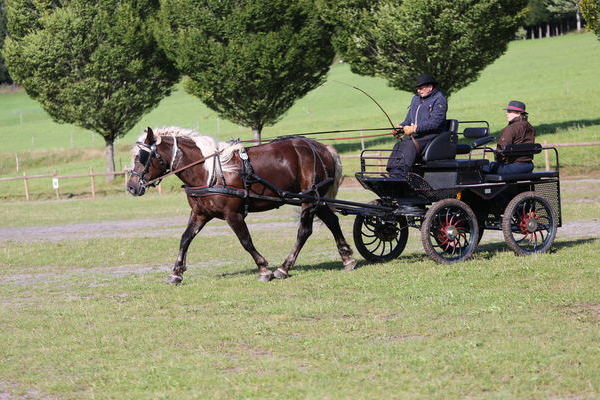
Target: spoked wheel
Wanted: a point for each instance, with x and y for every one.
(528, 224)
(378, 240)
(449, 231)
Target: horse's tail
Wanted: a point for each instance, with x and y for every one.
(337, 181)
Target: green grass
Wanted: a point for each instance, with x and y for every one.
(556, 77)
(92, 318)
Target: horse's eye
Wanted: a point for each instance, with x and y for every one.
(144, 156)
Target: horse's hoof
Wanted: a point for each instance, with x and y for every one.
(265, 277)
(350, 265)
(175, 279)
(281, 274)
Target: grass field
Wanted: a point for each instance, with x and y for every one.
(85, 312)
(556, 77)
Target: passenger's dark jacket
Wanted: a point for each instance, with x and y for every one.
(428, 113)
(518, 131)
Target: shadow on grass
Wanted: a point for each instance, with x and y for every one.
(484, 251)
(489, 250)
(543, 129)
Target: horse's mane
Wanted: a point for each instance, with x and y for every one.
(207, 145)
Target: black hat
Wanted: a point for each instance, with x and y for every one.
(515, 105)
(425, 79)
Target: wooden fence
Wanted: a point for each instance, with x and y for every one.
(91, 175)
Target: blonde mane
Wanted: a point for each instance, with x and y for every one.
(207, 146)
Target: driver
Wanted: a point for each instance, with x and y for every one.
(518, 131)
(425, 119)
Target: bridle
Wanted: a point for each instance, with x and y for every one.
(148, 152)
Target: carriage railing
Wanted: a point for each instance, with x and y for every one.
(374, 161)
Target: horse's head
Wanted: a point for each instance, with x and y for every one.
(148, 164)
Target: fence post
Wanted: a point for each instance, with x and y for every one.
(546, 157)
(56, 187)
(26, 186)
(92, 183)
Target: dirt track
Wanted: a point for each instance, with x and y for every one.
(174, 226)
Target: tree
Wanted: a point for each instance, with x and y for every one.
(538, 14)
(565, 7)
(452, 39)
(4, 77)
(93, 64)
(590, 9)
(248, 60)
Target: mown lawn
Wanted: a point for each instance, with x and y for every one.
(90, 318)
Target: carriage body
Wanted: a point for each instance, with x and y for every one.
(450, 198)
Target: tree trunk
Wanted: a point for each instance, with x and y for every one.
(547, 29)
(578, 17)
(539, 31)
(109, 152)
(256, 131)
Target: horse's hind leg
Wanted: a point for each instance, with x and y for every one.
(333, 223)
(304, 231)
(195, 224)
(238, 225)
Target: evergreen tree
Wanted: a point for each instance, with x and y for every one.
(399, 39)
(89, 63)
(249, 60)
(4, 77)
(590, 9)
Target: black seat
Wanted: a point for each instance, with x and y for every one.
(443, 147)
(481, 136)
(531, 176)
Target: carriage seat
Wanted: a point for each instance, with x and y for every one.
(481, 136)
(531, 176)
(443, 147)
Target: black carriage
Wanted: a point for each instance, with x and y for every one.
(450, 198)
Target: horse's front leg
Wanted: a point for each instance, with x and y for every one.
(238, 225)
(304, 231)
(195, 224)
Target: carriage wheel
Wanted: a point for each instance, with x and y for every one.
(449, 231)
(378, 240)
(528, 224)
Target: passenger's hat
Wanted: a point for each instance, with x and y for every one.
(425, 79)
(515, 105)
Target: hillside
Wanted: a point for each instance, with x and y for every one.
(556, 77)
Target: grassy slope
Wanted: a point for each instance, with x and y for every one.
(556, 77)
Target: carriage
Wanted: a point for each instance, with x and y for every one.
(450, 198)
(448, 195)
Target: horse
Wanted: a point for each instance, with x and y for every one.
(227, 181)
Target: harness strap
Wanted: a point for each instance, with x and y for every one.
(175, 150)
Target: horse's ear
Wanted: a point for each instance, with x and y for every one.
(149, 135)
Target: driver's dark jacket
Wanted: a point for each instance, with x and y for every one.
(428, 113)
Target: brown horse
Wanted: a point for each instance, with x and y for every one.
(292, 165)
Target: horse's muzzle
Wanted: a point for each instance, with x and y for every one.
(136, 190)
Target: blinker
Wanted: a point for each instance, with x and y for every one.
(144, 156)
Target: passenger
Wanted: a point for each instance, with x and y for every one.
(518, 131)
(426, 118)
